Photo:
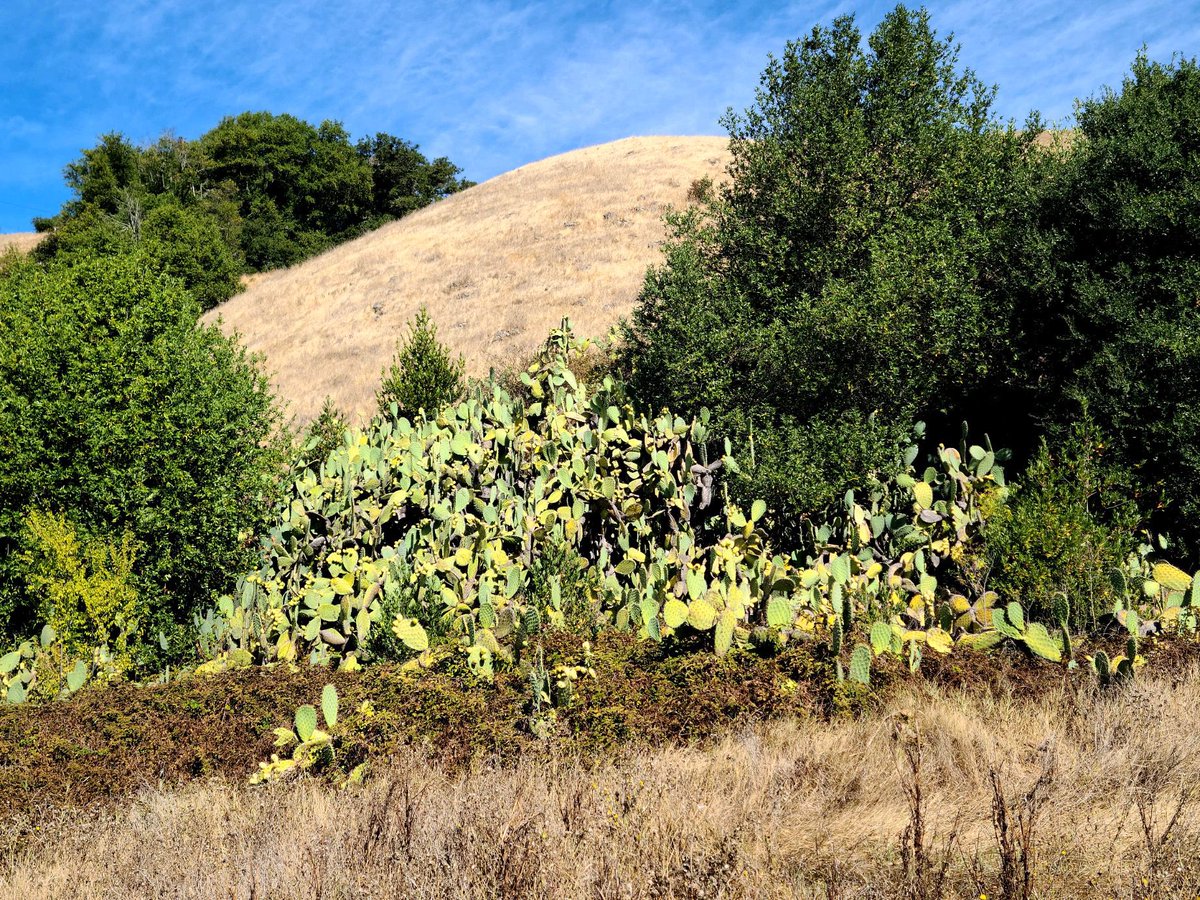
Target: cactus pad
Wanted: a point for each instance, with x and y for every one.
(779, 612)
(984, 640)
(411, 633)
(329, 705)
(675, 613)
(923, 494)
(77, 676)
(306, 722)
(701, 614)
(1171, 578)
(881, 637)
(724, 634)
(938, 640)
(1039, 641)
(1003, 627)
(860, 664)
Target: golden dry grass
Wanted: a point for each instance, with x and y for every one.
(22, 242)
(497, 266)
(796, 809)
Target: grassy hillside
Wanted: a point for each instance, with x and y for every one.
(23, 241)
(497, 265)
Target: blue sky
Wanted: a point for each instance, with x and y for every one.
(492, 85)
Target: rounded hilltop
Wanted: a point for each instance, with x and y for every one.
(497, 266)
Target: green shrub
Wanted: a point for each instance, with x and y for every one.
(1068, 524)
(300, 186)
(12, 260)
(849, 279)
(383, 644)
(423, 375)
(272, 241)
(83, 585)
(405, 595)
(323, 434)
(1115, 329)
(403, 179)
(117, 406)
(88, 231)
(187, 244)
(560, 579)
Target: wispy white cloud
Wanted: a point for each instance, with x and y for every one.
(1045, 54)
(492, 84)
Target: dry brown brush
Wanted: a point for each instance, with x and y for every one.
(943, 793)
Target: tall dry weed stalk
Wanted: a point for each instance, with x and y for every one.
(1015, 822)
(924, 865)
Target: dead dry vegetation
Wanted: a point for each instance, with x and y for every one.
(497, 266)
(941, 794)
(22, 242)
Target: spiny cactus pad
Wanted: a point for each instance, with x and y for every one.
(306, 722)
(1039, 641)
(329, 705)
(860, 664)
(411, 633)
(1171, 578)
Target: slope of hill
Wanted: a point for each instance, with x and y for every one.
(23, 241)
(497, 266)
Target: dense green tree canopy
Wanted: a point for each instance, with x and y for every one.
(851, 276)
(117, 409)
(273, 189)
(1115, 329)
(402, 178)
(106, 173)
(188, 245)
(305, 184)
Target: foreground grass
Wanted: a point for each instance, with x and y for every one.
(674, 773)
(1096, 789)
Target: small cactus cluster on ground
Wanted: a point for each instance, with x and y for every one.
(314, 747)
(44, 668)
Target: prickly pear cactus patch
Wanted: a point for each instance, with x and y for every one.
(455, 512)
(445, 523)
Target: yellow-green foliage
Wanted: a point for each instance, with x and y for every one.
(314, 747)
(899, 564)
(1067, 525)
(84, 584)
(457, 510)
(43, 668)
(474, 530)
(445, 525)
